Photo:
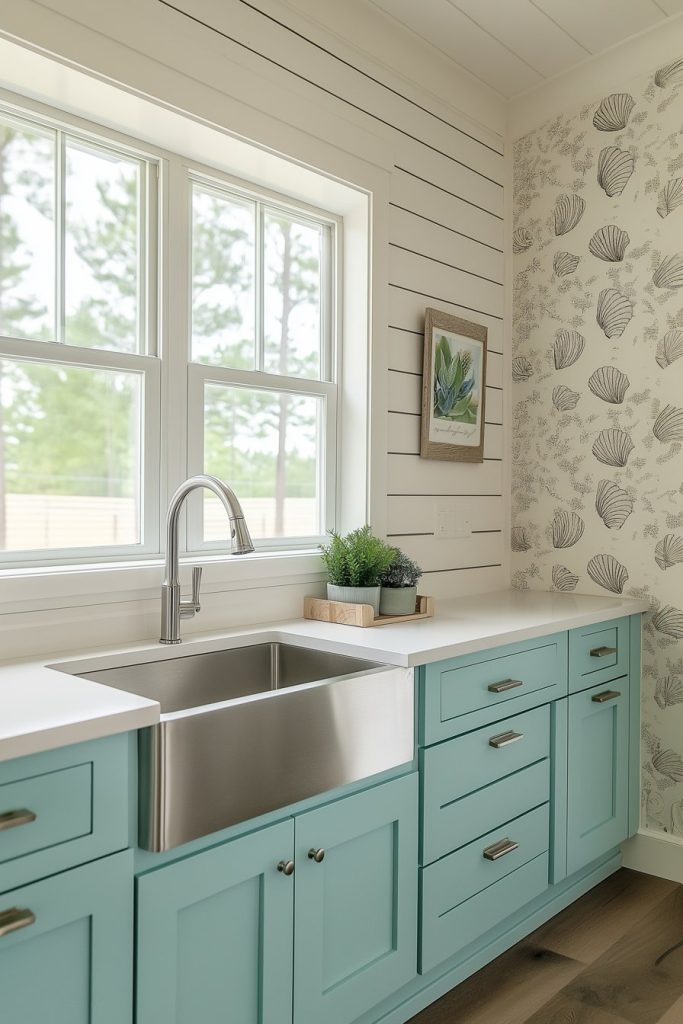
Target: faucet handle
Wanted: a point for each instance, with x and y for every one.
(196, 586)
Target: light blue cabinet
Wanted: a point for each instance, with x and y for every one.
(215, 934)
(70, 959)
(356, 910)
(598, 775)
(528, 782)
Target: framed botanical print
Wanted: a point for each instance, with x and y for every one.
(453, 388)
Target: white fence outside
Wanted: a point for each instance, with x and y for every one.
(49, 521)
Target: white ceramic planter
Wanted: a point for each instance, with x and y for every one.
(397, 600)
(355, 595)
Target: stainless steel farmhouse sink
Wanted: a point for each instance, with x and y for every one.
(247, 730)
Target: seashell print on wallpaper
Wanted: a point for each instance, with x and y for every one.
(598, 378)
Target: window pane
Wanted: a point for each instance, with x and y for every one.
(266, 445)
(292, 296)
(102, 249)
(223, 280)
(70, 455)
(27, 225)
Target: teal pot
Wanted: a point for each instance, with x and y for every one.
(355, 595)
(397, 600)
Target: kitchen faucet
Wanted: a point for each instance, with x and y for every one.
(173, 608)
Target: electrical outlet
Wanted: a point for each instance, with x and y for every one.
(449, 525)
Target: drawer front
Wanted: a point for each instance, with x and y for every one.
(445, 933)
(450, 825)
(598, 654)
(463, 874)
(466, 692)
(62, 808)
(467, 763)
(66, 947)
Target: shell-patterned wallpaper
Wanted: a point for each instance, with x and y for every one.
(598, 382)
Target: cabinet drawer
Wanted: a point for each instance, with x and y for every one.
(460, 694)
(66, 955)
(468, 763)
(62, 808)
(598, 654)
(448, 927)
(448, 825)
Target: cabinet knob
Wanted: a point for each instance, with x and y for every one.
(500, 849)
(11, 819)
(504, 739)
(603, 652)
(601, 698)
(286, 867)
(13, 919)
(317, 855)
(504, 685)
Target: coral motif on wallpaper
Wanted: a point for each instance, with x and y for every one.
(598, 382)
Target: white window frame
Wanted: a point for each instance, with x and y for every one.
(325, 388)
(145, 363)
(172, 389)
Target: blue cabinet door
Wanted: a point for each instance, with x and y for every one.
(598, 772)
(356, 909)
(215, 935)
(66, 955)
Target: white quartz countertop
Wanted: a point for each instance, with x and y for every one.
(43, 707)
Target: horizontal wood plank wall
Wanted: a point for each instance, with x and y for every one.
(446, 250)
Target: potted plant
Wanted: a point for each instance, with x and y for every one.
(399, 586)
(355, 565)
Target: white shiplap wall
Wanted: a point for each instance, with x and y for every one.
(445, 220)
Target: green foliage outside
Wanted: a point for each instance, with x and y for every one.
(357, 560)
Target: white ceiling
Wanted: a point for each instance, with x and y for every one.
(514, 45)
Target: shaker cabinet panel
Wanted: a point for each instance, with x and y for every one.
(66, 947)
(215, 934)
(356, 906)
(598, 772)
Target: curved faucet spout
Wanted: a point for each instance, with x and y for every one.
(172, 608)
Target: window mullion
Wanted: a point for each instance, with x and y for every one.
(60, 237)
(260, 288)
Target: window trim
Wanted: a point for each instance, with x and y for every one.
(357, 190)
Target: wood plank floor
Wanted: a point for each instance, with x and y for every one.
(613, 957)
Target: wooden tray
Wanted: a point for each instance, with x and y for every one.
(361, 614)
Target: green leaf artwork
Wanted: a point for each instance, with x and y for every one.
(454, 397)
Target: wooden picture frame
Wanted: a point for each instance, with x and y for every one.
(453, 388)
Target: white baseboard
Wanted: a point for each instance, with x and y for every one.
(655, 853)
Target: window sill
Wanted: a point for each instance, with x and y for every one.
(37, 589)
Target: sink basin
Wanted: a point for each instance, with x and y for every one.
(248, 730)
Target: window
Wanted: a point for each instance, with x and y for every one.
(247, 349)
(78, 376)
(262, 395)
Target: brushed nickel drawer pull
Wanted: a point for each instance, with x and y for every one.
(13, 919)
(500, 849)
(11, 819)
(601, 698)
(602, 652)
(505, 685)
(286, 867)
(504, 739)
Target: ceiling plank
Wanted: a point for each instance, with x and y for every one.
(598, 24)
(527, 31)
(456, 35)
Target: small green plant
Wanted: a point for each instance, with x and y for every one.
(357, 560)
(402, 572)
